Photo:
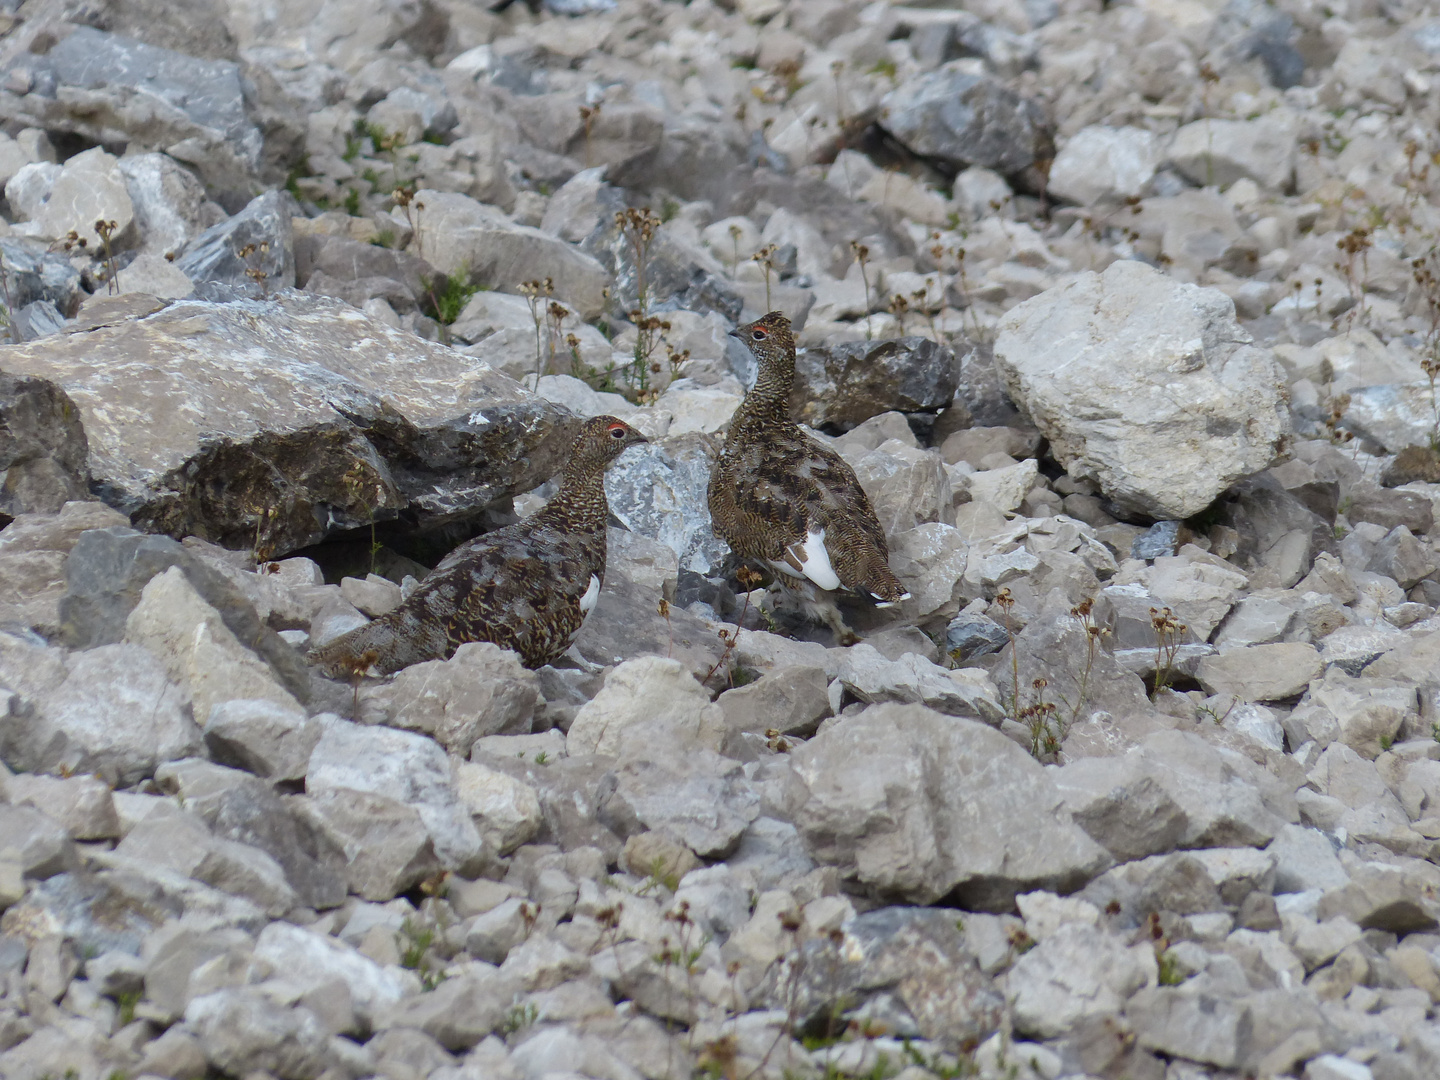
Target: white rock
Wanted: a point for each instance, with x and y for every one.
(650, 697)
(697, 408)
(1005, 487)
(169, 203)
(308, 961)
(481, 690)
(88, 188)
(400, 765)
(174, 622)
(963, 692)
(15, 155)
(507, 811)
(1104, 163)
(29, 187)
(1220, 152)
(155, 275)
(1145, 385)
(1079, 971)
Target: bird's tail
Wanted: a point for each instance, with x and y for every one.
(880, 582)
(370, 649)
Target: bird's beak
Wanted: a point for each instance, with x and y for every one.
(736, 333)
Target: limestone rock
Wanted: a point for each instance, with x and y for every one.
(89, 188)
(44, 456)
(481, 690)
(845, 385)
(1219, 152)
(113, 712)
(1100, 164)
(1260, 672)
(919, 957)
(293, 385)
(876, 796)
(1122, 344)
(1077, 972)
(465, 237)
(965, 119)
(398, 765)
(117, 89)
(506, 810)
(646, 699)
(198, 650)
(386, 845)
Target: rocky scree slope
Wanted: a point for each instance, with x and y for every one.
(1126, 317)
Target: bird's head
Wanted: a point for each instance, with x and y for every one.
(602, 439)
(768, 337)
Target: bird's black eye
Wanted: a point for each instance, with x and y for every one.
(758, 335)
(617, 432)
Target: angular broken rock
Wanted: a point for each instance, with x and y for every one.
(399, 765)
(242, 1030)
(386, 845)
(115, 714)
(199, 651)
(302, 418)
(44, 457)
(113, 89)
(1191, 1024)
(694, 794)
(646, 699)
(250, 254)
(1078, 971)
(917, 956)
(846, 384)
(465, 238)
(960, 119)
(872, 678)
(481, 690)
(886, 795)
(1146, 386)
(262, 737)
(1124, 810)
(677, 275)
(1261, 672)
(659, 491)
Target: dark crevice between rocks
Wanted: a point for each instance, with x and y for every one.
(400, 545)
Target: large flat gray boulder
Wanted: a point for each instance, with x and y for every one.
(275, 423)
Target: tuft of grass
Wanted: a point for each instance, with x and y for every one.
(1169, 969)
(295, 175)
(448, 294)
(416, 940)
(519, 1018)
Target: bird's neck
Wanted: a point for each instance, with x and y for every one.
(769, 400)
(579, 505)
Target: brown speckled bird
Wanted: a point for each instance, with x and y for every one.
(526, 587)
(781, 497)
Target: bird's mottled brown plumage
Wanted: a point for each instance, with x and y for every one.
(526, 587)
(774, 487)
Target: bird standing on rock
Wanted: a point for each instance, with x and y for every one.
(781, 497)
(526, 587)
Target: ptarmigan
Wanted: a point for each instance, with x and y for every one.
(781, 497)
(527, 587)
